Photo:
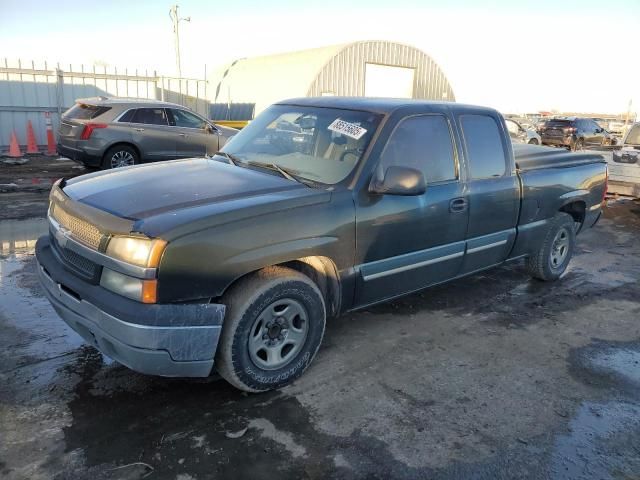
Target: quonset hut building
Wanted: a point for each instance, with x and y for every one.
(372, 68)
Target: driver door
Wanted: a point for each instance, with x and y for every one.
(404, 243)
(195, 137)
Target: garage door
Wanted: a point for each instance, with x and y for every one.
(388, 81)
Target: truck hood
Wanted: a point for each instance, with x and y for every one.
(163, 196)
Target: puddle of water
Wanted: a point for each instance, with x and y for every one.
(586, 452)
(31, 330)
(21, 235)
(624, 362)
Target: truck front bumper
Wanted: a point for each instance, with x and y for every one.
(171, 340)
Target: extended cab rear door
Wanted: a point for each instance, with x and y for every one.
(404, 243)
(493, 190)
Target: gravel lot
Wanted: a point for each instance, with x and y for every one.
(493, 376)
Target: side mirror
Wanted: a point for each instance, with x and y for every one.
(210, 128)
(400, 181)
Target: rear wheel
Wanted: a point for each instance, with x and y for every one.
(273, 328)
(578, 145)
(554, 255)
(120, 156)
(533, 141)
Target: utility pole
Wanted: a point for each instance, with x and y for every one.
(175, 18)
(626, 120)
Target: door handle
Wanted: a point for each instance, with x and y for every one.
(458, 205)
(182, 134)
(139, 129)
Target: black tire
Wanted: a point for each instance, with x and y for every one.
(124, 152)
(533, 141)
(578, 145)
(250, 301)
(545, 264)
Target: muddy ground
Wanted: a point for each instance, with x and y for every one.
(496, 376)
(24, 187)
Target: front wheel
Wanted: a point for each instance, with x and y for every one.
(554, 255)
(273, 328)
(533, 141)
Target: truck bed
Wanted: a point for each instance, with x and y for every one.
(534, 157)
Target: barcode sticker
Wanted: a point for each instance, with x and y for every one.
(352, 130)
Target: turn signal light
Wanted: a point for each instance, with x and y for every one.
(89, 128)
(149, 291)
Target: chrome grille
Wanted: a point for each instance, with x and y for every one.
(80, 229)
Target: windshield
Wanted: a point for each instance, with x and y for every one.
(633, 137)
(319, 144)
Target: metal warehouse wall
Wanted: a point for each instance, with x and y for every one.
(344, 74)
(336, 69)
(28, 90)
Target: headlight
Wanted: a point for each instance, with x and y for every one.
(134, 288)
(139, 251)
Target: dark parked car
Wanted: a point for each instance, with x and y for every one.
(118, 132)
(574, 133)
(236, 261)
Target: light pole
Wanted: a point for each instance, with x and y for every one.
(175, 18)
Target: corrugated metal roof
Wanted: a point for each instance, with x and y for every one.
(338, 69)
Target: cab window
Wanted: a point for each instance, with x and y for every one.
(424, 143)
(486, 153)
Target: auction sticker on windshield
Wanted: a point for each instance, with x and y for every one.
(352, 130)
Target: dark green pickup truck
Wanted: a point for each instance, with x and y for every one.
(319, 207)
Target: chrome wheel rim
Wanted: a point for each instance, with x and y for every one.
(122, 159)
(559, 248)
(278, 334)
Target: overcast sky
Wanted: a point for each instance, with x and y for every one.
(515, 56)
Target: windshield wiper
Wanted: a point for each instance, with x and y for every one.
(286, 173)
(233, 160)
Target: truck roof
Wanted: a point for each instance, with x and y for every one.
(373, 104)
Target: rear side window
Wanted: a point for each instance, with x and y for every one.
(150, 116)
(83, 111)
(127, 116)
(484, 146)
(423, 143)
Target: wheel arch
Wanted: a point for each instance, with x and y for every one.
(320, 269)
(577, 208)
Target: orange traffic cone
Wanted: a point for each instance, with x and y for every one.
(14, 148)
(51, 141)
(31, 139)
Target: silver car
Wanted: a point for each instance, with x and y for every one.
(520, 134)
(116, 132)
